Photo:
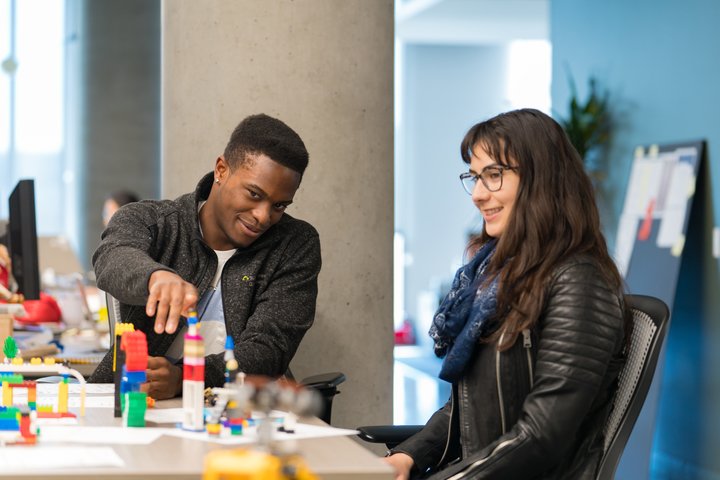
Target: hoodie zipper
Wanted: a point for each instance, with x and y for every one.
(527, 344)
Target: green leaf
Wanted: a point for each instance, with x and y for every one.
(10, 348)
(589, 121)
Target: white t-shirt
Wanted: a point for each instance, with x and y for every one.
(210, 313)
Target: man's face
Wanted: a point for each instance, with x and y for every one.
(247, 201)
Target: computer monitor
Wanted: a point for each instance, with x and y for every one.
(22, 240)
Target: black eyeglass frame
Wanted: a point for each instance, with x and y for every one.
(475, 176)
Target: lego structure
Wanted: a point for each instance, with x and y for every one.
(18, 422)
(231, 405)
(193, 377)
(231, 365)
(130, 359)
(118, 362)
(18, 425)
(133, 402)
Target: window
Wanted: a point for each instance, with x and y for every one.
(529, 72)
(32, 105)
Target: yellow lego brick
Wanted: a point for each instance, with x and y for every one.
(121, 328)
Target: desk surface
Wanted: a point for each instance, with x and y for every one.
(179, 458)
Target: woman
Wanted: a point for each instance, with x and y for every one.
(532, 332)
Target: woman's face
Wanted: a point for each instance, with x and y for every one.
(495, 207)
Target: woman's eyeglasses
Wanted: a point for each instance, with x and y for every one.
(490, 176)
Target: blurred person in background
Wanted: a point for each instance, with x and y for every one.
(116, 200)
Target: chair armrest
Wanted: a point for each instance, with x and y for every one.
(390, 435)
(326, 385)
(324, 380)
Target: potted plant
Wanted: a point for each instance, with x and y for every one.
(589, 126)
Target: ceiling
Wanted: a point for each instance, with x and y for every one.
(471, 21)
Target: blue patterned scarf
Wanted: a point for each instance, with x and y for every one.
(464, 315)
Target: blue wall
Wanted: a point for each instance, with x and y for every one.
(660, 61)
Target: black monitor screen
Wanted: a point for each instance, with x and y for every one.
(22, 239)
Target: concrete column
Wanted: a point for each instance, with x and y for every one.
(325, 68)
(114, 112)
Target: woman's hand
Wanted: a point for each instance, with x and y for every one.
(402, 463)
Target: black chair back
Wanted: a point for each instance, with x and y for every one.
(650, 325)
(113, 309)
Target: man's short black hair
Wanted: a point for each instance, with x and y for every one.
(262, 134)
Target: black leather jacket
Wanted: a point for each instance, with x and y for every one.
(536, 410)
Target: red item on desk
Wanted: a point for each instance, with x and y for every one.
(4, 276)
(45, 310)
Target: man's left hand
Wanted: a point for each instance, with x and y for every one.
(164, 380)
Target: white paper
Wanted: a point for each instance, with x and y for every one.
(625, 242)
(682, 183)
(73, 401)
(249, 436)
(176, 415)
(21, 459)
(93, 388)
(100, 435)
(51, 389)
(164, 415)
(93, 402)
(644, 185)
(41, 422)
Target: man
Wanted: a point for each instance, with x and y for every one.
(229, 250)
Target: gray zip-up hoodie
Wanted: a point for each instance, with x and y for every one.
(268, 289)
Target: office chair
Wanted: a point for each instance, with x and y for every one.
(650, 324)
(326, 384)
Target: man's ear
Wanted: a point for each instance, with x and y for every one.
(222, 169)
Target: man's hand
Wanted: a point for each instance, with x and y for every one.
(170, 297)
(164, 380)
(402, 463)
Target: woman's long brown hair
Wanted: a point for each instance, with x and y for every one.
(554, 214)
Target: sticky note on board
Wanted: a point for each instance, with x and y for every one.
(677, 249)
